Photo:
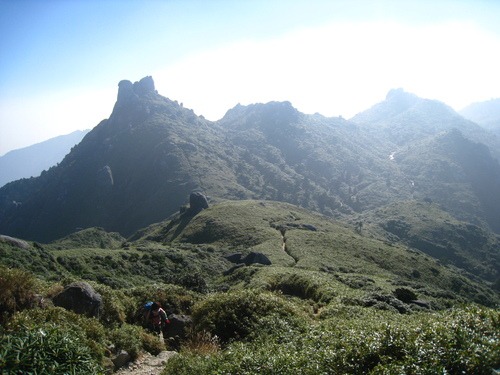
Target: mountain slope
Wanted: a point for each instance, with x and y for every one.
(135, 168)
(299, 241)
(140, 165)
(457, 173)
(428, 228)
(31, 161)
(326, 164)
(404, 118)
(486, 114)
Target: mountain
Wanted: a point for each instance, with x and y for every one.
(486, 114)
(403, 118)
(32, 160)
(140, 165)
(271, 285)
(425, 226)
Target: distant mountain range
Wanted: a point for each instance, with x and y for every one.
(140, 165)
(486, 114)
(32, 160)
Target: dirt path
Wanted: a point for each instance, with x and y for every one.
(147, 364)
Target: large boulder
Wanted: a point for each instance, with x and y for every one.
(197, 202)
(121, 359)
(234, 257)
(14, 242)
(250, 258)
(176, 331)
(256, 258)
(80, 298)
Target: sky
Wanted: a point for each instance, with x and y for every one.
(61, 60)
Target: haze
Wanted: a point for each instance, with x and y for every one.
(61, 61)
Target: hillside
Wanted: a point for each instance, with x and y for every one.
(426, 227)
(207, 251)
(404, 118)
(31, 161)
(486, 114)
(295, 288)
(139, 166)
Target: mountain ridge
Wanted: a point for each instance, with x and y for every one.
(30, 161)
(139, 166)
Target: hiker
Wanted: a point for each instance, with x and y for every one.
(157, 319)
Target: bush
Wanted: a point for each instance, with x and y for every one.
(404, 294)
(173, 298)
(16, 291)
(128, 338)
(151, 343)
(89, 330)
(236, 315)
(202, 343)
(117, 306)
(300, 286)
(46, 350)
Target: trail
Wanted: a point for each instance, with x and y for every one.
(147, 364)
(284, 246)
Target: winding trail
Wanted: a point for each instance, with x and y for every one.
(147, 364)
(284, 246)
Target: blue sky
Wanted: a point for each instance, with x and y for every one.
(61, 61)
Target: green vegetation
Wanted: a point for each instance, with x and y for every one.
(362, 342)
(46, 350)
(333, 300)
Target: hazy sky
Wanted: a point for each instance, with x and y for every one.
(61, 61)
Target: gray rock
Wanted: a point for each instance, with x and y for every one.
(144, 86)
(176, 331)
(121, 359)
(234, 258)
(421, 303)
(125, 90)
(14, 242)
(80, 298)
(385, 302)
(254, 258)
(197, 202)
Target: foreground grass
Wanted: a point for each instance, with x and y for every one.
(465, 340)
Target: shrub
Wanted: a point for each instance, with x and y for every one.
(151, 343)
(404, 294)
(202, 343)
(300, 286)
(117, 306)
(236, 315)
(46, 350)
(173, 298)
(127, 337)
(16, 291)
(89, 330)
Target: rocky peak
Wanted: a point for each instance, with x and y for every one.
(128, 90)
(401, 99)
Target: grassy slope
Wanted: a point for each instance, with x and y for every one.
(190, 251)
(332, 250)
(428, 228)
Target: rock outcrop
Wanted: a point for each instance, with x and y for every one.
(197, 202)
(80, 298)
